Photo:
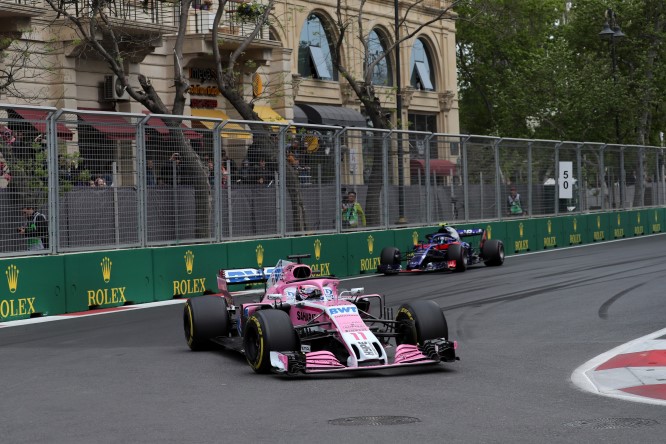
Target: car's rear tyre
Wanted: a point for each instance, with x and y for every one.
(457, 252)
(390, 256)
(205, 318)
(493, 252)
(419, 321)
(265, 331)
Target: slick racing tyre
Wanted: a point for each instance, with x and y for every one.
(457, 252)
(493, 252)
(390, 256)
(419, 321)
(266, 331)
(205, 318)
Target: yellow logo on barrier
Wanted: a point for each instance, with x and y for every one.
(12, 277)
(15, 307)
(598, 222)
(618, 219)
(317, 248)
(415, 237)
(575, 224)
(656, 217)
(550, 226)
(260, 255)
(521, 229)
(575, 238)
(489, 232)
(106, 269)
(639, 217)
(371, 244)
(189, 261)
(106, 296)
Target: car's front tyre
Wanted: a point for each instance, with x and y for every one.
(419, 321)
(265, 331)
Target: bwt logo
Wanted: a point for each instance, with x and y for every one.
(342, 310)
(189, 261)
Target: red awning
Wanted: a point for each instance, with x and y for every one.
(113, 127)
(161, 127)
(437, 166)
(37, 118)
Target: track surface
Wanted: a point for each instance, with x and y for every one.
(522, 329)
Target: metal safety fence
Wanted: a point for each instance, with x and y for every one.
(75, 180)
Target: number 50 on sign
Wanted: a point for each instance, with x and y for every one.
(566, 180)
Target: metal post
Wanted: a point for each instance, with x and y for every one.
(530, 185)
(398, 107)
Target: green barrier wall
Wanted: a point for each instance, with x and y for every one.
(49, 285)
(521, 236)
(574, 230)
(108, 279)
(655, 219)
(364, 250)
(328, 253)
(33, 287)
(599, 225)
(188, 270)
(550, 234)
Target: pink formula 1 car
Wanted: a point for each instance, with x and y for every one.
(308, 324)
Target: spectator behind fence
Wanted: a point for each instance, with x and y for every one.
(261, 174)
(245, 173)
(36, 229)
(514, 206)
(352, 212)
(151, 179)
(5, 177)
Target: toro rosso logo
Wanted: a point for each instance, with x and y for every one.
(342, 310)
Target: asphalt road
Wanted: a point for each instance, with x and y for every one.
(522, 329)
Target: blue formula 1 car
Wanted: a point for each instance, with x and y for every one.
(444, 251)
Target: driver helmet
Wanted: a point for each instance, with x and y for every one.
(450, 232)
(308, 291)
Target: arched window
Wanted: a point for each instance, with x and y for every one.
(314, 51)
(382, 75)
(421, 73)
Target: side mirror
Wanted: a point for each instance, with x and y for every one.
(274, 296)
(357, 291)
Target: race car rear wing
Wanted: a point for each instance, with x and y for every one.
(470, 232)
(242, 276)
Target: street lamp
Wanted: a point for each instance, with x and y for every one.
(611, 31)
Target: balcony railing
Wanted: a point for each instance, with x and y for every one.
(201, 22)
(137, 11)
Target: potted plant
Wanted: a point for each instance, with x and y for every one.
(250, 12)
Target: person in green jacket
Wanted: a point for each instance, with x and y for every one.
(352, 212)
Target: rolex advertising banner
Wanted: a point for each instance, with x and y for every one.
(108, 279)
(521, 236)
(640, 223)
(577, 230)
(621, 224)
(187, 271)
(655, 219)
(328, 253)
(32, 287)
(549, 233)
(364, 250)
